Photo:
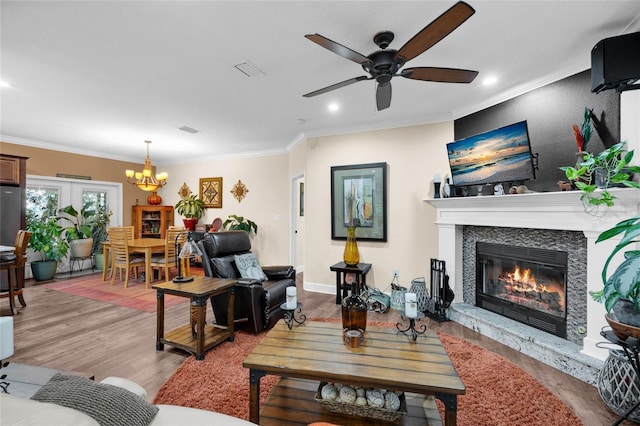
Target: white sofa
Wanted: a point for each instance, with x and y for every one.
(23, 411)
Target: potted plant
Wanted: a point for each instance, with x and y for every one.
(621, 290)
(235, 222)
(99, 234)
(599, 172)
(192, 208)
(79, 232)
(47, 239)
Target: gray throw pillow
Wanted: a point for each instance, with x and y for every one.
(106, 404)
(249, 267)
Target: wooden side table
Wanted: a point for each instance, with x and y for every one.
(341, 270)
(199, 291)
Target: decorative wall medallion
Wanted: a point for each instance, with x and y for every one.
(184, 191)
(211, 192)
(239, 190)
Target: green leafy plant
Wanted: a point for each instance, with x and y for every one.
(613, 169)
(624, 283)
(47, 237)
(190, 207)
(100, 223)
(235, 222)
(81, 222)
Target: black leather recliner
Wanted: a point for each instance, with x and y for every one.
(257, 304)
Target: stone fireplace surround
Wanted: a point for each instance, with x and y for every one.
(562, 211)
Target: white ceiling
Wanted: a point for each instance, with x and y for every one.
(99, 77)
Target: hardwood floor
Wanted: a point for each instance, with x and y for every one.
(68, 332)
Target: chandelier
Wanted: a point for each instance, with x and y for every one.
(145, 179)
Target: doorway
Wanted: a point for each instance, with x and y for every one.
(297, 222)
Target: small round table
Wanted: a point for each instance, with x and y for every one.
(290, 314)
(412, 325)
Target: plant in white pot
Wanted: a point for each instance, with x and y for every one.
(192, 208)
(47, 239)
(621, 290)
(80, 228)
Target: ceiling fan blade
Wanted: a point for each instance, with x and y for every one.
(443, 75)
(336, 86)
(341, 50)
(383, 95)
(438, 29)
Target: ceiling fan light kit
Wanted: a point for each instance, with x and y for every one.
(384, 64)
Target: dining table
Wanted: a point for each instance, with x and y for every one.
(147, 246)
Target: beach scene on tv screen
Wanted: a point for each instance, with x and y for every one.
(501, 155)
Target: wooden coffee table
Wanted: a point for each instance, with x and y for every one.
(315, 351)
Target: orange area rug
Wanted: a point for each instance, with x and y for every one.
(136, 296)
(498, 391)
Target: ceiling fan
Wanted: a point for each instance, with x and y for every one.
(385, 64)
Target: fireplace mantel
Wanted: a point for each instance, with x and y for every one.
(544, 210)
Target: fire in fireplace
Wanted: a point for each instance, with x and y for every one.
(523, 283)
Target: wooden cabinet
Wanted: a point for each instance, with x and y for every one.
(13, 170)
(151, 221)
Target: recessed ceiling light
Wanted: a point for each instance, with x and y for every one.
(333, 107)
(300, 120)
(490, 80)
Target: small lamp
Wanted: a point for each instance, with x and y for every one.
(189, 250)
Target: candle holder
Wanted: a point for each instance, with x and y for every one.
(290, 315)
(411, 328)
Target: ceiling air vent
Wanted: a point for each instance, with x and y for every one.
(248, 69)
(189, 129)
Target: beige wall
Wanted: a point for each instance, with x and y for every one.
(46, 162)
(413, 155)
(267, 202)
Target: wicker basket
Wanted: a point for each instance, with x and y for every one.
(362, 410)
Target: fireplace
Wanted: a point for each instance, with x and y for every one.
(526, 284)
(550, 220)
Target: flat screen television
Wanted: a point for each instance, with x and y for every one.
(498, 156)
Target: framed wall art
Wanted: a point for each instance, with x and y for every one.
(211, 192)
(359, 198)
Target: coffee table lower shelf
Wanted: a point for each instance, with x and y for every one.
(291, 402)
(183, 338)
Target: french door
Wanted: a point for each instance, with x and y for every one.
(45, 195)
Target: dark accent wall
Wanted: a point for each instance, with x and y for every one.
(550, 112)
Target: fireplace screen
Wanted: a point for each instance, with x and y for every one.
(525, 284)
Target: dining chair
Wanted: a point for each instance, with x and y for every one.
(163, 263)
(15, 267)
(120, 258)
